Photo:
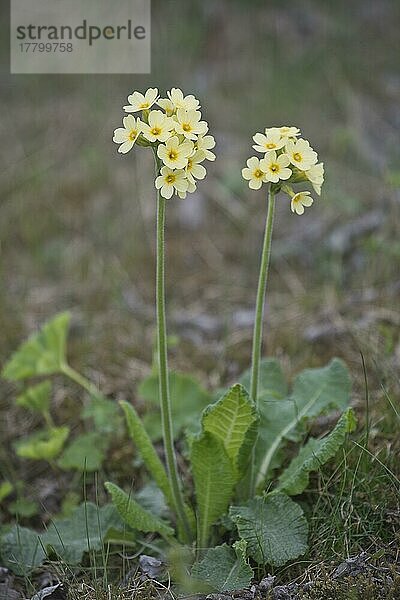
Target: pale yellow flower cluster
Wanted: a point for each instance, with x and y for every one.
(176, 133)
(287, 159)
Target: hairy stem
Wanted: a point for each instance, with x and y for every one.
(81, 380)
(165, 403)
(259, 315)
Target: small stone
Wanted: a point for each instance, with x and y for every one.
(53, 592)
(266, 584)
(152, 567)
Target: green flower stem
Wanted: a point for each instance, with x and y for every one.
(48, 419)
(258, 322)
(80, 380)
(165, 402)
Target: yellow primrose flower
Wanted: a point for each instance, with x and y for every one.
(158, 128)
(316, 176)
(128, 134)
(288, 132)
(180, 101)
(299, 201)
(170, 180)
(205, 143)
(253, 173)
(188, 123)
(138, 101)
(167, 105)
(194, 170)
(272, 140)
(300, 153)
(275, 167)
(175, 154)
(191, 188)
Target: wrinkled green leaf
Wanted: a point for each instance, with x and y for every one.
(150, 457)
(85, 453)
(224, 569)
(36, 398)
(315, 392)
(135, 515)
(43, 353)
(105, 414)
(230, 420)
(84, 531)
(214, 480)
(313, 455)
(274, 528)
(188, 399)
(147, 451)
(43, 445)
(21, 550)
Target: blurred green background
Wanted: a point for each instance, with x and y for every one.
(77, 220)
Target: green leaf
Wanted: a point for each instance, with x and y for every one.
(6, 489)
(224, 569)
(105, 414)
(21, 550)
(121, 538)
(43, 353)
(274, 528)
(24, 507)
(150, 457)
(85, 530)
(313, 455)
(42, 445)
(134, 515)
(85, 453)
(36, 398)
(188, 399)
(271, 383)
(315, 392)
(151, 498)
(214, 480)
(230, 420)
(272, 390)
